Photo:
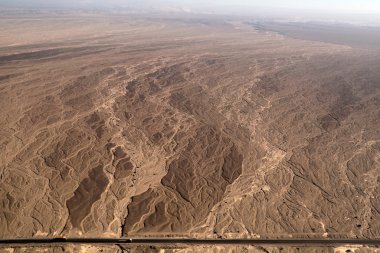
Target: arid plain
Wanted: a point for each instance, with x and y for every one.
(120, 125)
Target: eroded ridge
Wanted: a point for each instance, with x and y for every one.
(156, 127)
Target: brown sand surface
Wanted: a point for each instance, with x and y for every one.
(116, 125)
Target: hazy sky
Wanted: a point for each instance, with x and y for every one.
(330, 5)
(354, 11)
(352, 6)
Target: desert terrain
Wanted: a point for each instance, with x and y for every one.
(126, 125)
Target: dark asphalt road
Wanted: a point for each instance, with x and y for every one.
(160, 241)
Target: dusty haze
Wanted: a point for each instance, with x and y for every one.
(364, 12)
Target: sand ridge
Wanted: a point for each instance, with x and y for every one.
(159, 127)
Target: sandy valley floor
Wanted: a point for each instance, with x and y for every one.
(134, 126)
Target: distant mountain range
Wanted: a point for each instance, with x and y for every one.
(196, 7)
(184, 5)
